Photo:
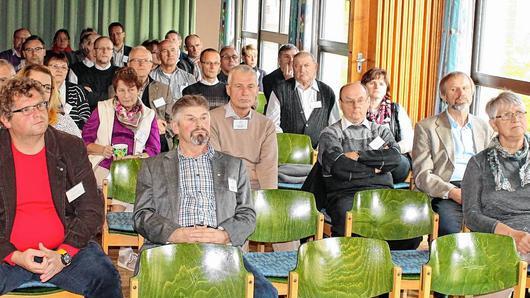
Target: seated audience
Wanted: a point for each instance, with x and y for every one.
(229, 60)
(120, 52)
(496, 184)
(390, 114)
(283, 72)
(14, 55)
(241, 132)
(122, 119)
(250, 58)
(48, 230)
(72, 96)
(195, 193)
(61, 44)
(209, 86)
(57, 118)
(443, 145)
(355, 154)
(303, 104)
(168, 72)
(34, 51)
(7, 70)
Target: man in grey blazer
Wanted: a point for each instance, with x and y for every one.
(194, 193)
(443, 144)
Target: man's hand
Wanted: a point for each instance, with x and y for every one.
(287, 71)
(199, 235)
(352, 155)
(162, 124)
(522, 241)
(26, 260)
(455, 194)
(54, 264)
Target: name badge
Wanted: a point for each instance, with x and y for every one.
(316, 104)
(125, 59)
(240, 124)
(75, 192)
(159, 102)
(232, 184)
(67, 108)
(376, 143)
(182, 87)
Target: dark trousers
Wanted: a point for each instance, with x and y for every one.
(90, 274)
(450, 213)
(401, 172)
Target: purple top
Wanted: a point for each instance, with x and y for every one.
(120, 135)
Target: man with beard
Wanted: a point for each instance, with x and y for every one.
(195, 193)
(443, 144)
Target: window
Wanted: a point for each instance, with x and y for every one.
(500, 51)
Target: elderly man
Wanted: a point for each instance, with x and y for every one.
(241, 132)
(14, 55)
(209, 86)
(120, 52)
(34, 50)
(443, 145)
(99, 77)
(7, 70)
(195, 193)
(355, 154)
(303, 104)
(51, 211)
(284, 71)
(168, 72)
(229, 60)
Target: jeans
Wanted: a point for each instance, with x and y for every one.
(450, 213)
(90, 274)
(262, 287)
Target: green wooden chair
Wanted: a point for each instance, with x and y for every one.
(193, 271)
(36, 289)
(344, 267)
(294, 149)
(261, 101)
(473, 264)
(392, 214)
(118, 228)
(282, 216)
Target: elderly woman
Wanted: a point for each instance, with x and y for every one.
(58, 120)
(390, 114)
(123, 120)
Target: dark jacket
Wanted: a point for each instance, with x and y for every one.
(68, 166)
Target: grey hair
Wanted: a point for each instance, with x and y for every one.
(451, 75)
(5, 63)
(504, 98)
(242, 68)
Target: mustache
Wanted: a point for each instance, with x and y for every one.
(199, 136)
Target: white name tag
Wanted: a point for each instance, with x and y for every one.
(232, 184)
(67, 108)
(316, 104)
(159, 102)
(182, 87)
(125, 59)
(75, 192)
(376, 143)
(240, 124)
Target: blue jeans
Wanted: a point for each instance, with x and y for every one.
(450, 213)
(90, 274)
(262, 286)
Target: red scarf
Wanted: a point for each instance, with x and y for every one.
(55, 49)
(383, 114)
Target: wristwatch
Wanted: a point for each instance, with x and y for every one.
(66, 259)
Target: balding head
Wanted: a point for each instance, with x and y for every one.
(168, 52)
(141, 60)
(354, 102)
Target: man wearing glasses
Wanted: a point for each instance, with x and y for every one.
(209, 86)
(50, 204)
(229, 60)
(34, 50)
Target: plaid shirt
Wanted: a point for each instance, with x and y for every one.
(197, 204)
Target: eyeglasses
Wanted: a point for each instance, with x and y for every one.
(41, 106)
(509, 116)
(37, 49)
(140, 61)
(233, 57)
(210, 63)
(59, 67)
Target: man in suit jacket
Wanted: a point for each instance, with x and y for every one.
(443, 144)
(194, 193)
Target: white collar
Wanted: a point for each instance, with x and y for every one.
(104, 67)
(313, 86)
(230, 113)
(345, 123)
(88, 62)
(208, 83)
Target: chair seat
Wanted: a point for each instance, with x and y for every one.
(282, 185)
(402, 185)
(273, 264)
(410, 261)
(35, 284)
(120, 221)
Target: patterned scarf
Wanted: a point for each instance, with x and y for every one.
(130, 118)
(383, 113)
(501, 182)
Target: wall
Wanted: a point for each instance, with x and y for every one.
(207, 22)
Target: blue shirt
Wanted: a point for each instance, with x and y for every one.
(463, 145)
